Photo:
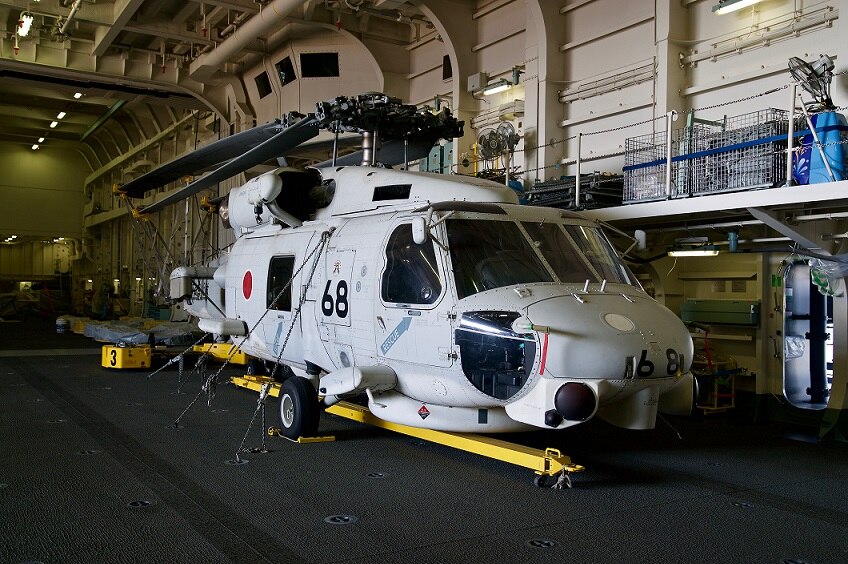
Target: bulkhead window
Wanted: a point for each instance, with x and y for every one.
(412, 274)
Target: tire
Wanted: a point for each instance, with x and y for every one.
(299, 411)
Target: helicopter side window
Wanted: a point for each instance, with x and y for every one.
(559, 252)
(601, 254)
(412, 274)
(490, 254)
(279, 287)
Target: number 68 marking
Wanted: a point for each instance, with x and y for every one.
(645, 368)
(339, 305)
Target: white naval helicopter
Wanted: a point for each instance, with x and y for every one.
(444, 301)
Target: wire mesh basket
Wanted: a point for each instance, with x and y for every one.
(737, 153)
(645, 162)
(749, 153)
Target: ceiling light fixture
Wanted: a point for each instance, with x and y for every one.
(704, 251)
(41, 139)
(727, 6)
(53, 124)
(60, 115)
(24, 24)
(35, 147)
(77, 95)
(497, 86)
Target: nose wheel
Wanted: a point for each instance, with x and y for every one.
(299, 411)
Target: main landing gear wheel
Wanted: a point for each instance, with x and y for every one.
(299, 411)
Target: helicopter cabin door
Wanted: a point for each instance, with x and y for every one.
(413, 323)
(277, 323)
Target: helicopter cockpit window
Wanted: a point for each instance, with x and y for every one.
(279, 288)
(491, 254)
(560, 253)
(600, 254)
(412, 274)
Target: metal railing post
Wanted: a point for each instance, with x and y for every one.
(793, 89)
(669, 117)
(577, 178)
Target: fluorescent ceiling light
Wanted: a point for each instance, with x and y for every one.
(705, 251)
(35, 147)
(497, 86)
(53, 124)
(24, 24)
(77, 95)
(727, 6)
(41, 139)
(60, 115)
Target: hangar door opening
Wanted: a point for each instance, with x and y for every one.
(808, 340)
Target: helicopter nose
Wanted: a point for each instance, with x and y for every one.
(602, 336)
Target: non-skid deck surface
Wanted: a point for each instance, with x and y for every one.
(93, 470)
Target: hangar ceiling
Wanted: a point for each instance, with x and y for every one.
(137, 66)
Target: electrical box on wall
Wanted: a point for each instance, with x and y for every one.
(725, 312)
(477, 81)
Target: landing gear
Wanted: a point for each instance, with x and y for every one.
(299, 411)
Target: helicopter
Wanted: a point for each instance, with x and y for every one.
(439, 297)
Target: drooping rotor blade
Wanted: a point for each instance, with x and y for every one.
(277, 145)
(201, 159)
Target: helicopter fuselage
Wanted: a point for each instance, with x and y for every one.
(452, 307)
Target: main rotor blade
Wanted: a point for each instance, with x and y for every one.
(215, 153)
(277, 145)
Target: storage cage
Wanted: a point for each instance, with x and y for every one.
(737, 153)
(645, 161)
(749, 153)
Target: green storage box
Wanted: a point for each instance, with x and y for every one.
(726, 312)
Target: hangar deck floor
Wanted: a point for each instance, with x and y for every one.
(93, 471)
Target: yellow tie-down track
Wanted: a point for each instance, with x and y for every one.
(547, 463)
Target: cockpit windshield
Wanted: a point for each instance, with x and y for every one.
(490, 254)
(600, 254)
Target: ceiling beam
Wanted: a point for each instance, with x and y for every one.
(174, 32)
(10, 131)
(123, 11)
(246, 6)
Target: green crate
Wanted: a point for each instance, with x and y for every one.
(724, 312)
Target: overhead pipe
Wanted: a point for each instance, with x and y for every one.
(233, 25)
(67, 21)
(205, 66)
